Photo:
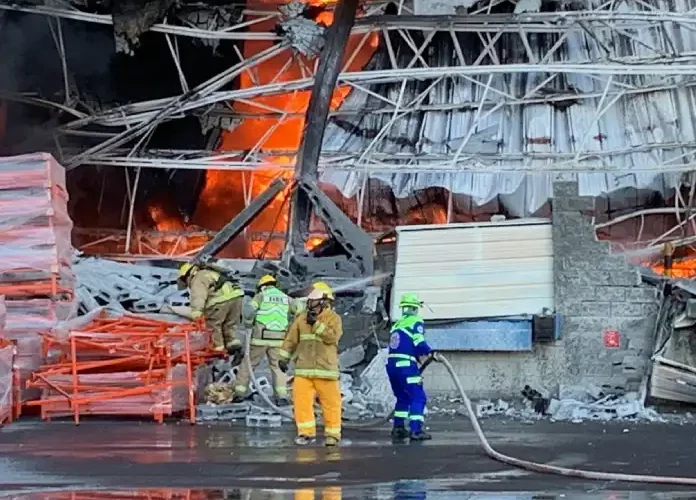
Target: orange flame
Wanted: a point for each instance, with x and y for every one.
(162, 220)
(222, 196)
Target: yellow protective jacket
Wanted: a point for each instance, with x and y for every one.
(203, 293)
(315, 347)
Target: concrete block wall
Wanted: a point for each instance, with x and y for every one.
(594, 291)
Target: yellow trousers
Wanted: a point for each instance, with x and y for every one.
(328, 493)
(329, 391)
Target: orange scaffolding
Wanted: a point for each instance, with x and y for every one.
(128, 365)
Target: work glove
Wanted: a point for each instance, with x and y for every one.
(283, 365)
(437, 357)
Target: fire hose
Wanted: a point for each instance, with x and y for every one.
(488, 449)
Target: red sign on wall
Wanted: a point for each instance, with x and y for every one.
(612, 339)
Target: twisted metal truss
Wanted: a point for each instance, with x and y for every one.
(606, 88)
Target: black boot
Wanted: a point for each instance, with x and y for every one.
(399, 434)
(236, 354)
(420, 436)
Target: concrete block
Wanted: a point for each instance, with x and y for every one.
(626, 309)
(588, 309)
(650, 309)
(264, 385)
(207, 413)
(233, 411)
(264, 421)
(624, 278)
(144, 306)
(484, 408)
(580, 293)
(641, 294)
(87, 301)
(611, 293)
(562, 189)
(574, 203)
(628, 409)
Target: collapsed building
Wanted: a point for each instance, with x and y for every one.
(524, 166)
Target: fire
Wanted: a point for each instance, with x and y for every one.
(163, 221)
(223, 194)
(313, 242)
(681, 269)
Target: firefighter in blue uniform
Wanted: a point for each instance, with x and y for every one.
(407, 346)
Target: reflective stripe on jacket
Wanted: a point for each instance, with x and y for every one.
(407, 343)
(272, 309)
(203, 293)
(315, 347)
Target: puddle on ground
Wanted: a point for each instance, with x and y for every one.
(403, 490)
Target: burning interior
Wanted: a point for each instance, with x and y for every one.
(413, 126)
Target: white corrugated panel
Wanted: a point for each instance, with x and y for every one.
(476, 270)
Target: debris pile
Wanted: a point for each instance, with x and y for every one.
(366, 396)
(302, 34)
(35, 260)
(573, 403)
(124, 365)
(577, 404)
(128, 287)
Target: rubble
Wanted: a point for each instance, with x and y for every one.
(576, 404)
(351, 357)
(131, 287)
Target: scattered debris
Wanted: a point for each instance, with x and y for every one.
(303, 34)
(130, 287)
(351, 357)
(539, 402)
(219, 393)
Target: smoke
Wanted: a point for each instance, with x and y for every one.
(30, 63)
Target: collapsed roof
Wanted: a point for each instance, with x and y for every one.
(475, 101)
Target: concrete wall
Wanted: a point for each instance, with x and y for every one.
(593, 291)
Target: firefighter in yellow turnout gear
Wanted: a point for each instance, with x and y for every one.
(269, 324)
(216, 299)
(313, 341)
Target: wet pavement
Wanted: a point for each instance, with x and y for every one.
(223, 461)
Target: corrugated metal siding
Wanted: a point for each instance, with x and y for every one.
(476, 270)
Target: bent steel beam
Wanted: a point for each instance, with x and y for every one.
(329, 67)
(242, 220)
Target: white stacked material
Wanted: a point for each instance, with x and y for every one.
(35, 254)
(7, 352)
(137, 288)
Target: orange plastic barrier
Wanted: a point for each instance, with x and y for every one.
(129, 365)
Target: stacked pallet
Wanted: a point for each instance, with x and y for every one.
(128, 365)
(35, 255)
(8, 379)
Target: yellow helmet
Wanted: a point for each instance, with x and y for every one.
(185, 269)
(321, 290)
(266, 280)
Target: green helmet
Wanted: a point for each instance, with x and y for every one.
(410, 300)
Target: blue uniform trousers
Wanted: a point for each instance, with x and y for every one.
(410, 398)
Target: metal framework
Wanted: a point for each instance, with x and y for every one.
(605, 89)
(627, 49)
